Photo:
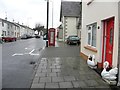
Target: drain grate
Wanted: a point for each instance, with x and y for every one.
(32, 62)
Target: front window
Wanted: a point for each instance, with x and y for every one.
(92, 34)
(8, 26)
(8, 33)
(2, 23)
(3, 33)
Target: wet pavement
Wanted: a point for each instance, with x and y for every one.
(64, 68)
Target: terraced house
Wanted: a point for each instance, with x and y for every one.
(70, 17)
(12, 29)
(100, 32)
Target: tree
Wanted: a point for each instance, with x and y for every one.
(38, 27)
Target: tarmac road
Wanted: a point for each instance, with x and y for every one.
(17, 72)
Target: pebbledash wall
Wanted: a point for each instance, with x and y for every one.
(95, 12)
(69, 26)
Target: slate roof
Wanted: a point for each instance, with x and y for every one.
(70, 9)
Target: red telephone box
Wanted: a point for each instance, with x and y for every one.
(51, 37)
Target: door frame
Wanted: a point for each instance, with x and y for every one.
(104, 40)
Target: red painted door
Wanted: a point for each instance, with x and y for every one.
(109, 40)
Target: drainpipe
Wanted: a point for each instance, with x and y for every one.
(118, 84)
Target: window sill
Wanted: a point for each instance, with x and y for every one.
(90, 48)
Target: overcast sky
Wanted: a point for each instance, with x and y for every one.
(30, 12)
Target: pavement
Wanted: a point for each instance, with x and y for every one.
(62, 67)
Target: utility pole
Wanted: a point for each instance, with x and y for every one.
(52, 13)
(47, 22)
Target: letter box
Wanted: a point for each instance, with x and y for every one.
(51, 37)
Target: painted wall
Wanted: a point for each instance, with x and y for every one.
(96, 12)
(4, 28)
(0, 29)
(119, 45)
(69, 26)
(60, 36)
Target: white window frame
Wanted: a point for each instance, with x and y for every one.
(89, 31)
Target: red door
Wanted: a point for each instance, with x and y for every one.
(109, 35)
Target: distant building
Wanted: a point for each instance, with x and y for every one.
(70, 16)
(9, 28)
(12, 29)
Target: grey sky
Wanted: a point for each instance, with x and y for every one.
(31, 12)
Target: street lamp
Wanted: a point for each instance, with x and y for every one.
(47, 22)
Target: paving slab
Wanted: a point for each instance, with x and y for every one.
(57, 79)
(91, 83)
(51, 85)
(38, 85)
(36, 80)
(66, 85)
(67, 73)
(79, 84)
(45, 79)
(52, 74)
(43, 74)
(69, 78)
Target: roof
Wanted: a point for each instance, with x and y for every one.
(70, 9)
(16, 24)
(9, 22)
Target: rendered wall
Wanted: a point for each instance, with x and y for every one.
(119, 45)
(97, 12)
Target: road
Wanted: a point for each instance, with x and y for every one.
(17, 72)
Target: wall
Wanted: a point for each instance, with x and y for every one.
(71, 26)
(60, 36)
(0, 29)
(5, 27)
(96, 12)
(119, 45)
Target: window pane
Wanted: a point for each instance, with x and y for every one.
(111, 36)
(89, 38)
(94, 35)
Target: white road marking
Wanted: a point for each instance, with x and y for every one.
(32, 51)
(33, 54)
(43, 48)
(26, 48)
(17, 54)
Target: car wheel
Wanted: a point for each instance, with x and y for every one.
(69, 43)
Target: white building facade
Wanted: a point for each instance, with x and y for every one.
(69, 16)
(100, 31)
(12, 29)
(69, 26)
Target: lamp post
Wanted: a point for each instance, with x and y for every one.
(47, 22)
(52, 14)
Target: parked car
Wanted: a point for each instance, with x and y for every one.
(1, 40)
(45, 37)
(37, 36)
(26, 36)
(9, 39)
(73, 39)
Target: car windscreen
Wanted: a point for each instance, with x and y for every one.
(74, 38)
